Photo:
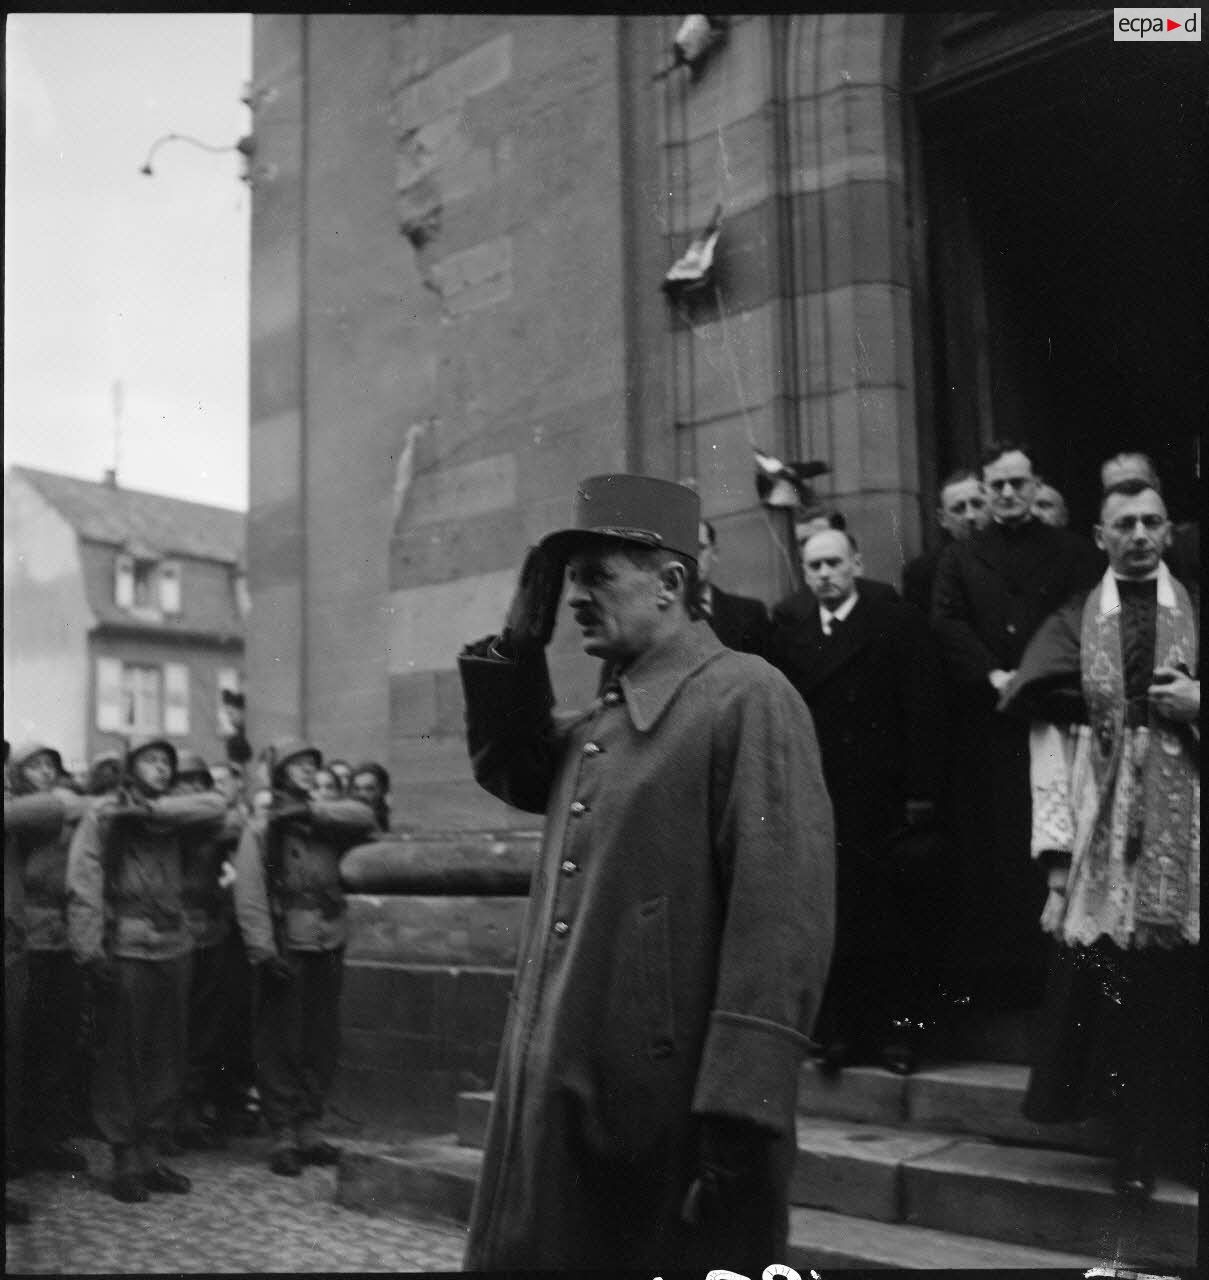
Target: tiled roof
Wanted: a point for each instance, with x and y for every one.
(145, 521)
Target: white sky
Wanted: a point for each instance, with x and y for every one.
(111, 275)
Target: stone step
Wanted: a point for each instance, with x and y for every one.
(854, 1168)
(1047, 1199)
(473, 1110)
(432, 1176)
(818, 1239)
(1030, 1196)
(979, 1098)
(941, 1184)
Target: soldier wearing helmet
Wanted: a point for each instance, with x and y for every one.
(55, 998)
(293, 918)
(127, 925)
(209, 916)
(36, 816)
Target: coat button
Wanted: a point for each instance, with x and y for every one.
(592, 749)
(1011, 628)
(578, 808)
(612, 698)
(562, 928)
(569, 867)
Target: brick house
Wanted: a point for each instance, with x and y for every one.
(124, 614)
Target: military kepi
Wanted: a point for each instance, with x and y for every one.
(659, 514)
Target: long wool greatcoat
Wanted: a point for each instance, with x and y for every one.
(740, 622)
(991, 593)
(874, 691)
(673, 954)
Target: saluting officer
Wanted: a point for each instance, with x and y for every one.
(673, 954)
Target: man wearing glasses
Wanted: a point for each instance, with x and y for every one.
(1111, 688)
(992, 592)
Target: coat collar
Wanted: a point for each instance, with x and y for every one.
(827, 655)
(1017, 551)
(654, 678)
(1110, 597)
(809, 657)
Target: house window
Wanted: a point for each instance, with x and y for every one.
(134, 583)
(123, 581)
(170, 587)
(109, 695)
(243, 598)
(144, 581)
(140, 699)
(176, 699)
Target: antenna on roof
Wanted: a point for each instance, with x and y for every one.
(119, 396)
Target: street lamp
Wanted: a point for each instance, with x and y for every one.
(246, 146)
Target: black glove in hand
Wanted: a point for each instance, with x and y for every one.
(733, 1155)
(276, 969)
(534, 608)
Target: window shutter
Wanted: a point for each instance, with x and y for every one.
(170, 587)
(109, 695)
(176, 698)
(123, 582)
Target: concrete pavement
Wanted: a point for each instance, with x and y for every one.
(238, 1218)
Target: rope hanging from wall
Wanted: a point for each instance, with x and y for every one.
(690, 277)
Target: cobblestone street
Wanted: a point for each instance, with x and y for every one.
(238, 1218)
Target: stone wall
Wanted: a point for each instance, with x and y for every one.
(805, 346)
(456, 315)
(506, 171)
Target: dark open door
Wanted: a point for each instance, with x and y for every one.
(1062, 183)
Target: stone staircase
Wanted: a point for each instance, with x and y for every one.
(935, 1170)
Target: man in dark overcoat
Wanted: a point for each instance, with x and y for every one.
(801, 604)
(869, 671)
(991, 594)
(676, 943)
(740, 622)
(962, 512)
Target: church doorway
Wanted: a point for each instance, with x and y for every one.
(1060, 188)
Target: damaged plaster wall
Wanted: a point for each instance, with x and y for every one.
(505, 198)
(440, 160)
